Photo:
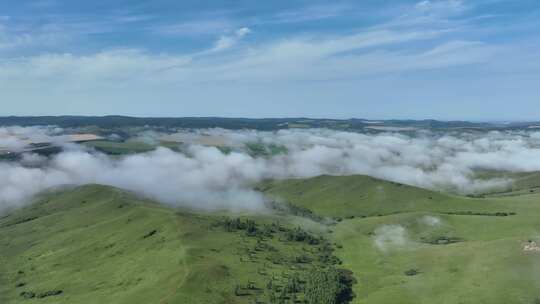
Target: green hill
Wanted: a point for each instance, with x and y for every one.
(420, 246)
(119, 148)
(364, 196)
(521, 182)
(527, 181)
(96, 244)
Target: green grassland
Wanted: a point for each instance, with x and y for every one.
(129, 147)
(96, 244)
(258, 149)
(486, 264)
(364, 196)
(255, 149)
(523, 183)
(403, 244)
(119, 148)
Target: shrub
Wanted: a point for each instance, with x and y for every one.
(329, 286)
(412, 272)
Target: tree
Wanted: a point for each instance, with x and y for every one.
(329, 286)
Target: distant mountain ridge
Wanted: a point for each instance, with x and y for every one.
(248, 123)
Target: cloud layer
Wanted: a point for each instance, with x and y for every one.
(207, 180)
(17, 138)
(203, 176)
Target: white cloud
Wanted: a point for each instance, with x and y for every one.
(441, 7)
(310, 13)
(398, 53)
(293, 59)
(446, 14)
(208, 180)
(241, 32)
(228, 41)
(204, 177)
(195, 27)
(17, 138)
(390, 237)
(108, 69)
(11, 39)
(437, 11)
(430, 220)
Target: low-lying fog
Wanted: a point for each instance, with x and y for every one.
(203, 176)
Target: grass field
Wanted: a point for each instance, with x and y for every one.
(120, 148)
(486, 264)
(98, 244)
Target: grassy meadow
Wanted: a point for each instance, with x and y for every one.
(97, 244)
(409, 245)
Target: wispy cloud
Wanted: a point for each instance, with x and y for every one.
(309, 13)
(433, 13)
(12, 38)
(131, 18)
(426, 36)
(441, 7)
(228, 41)
(301, 59)
(194, 27)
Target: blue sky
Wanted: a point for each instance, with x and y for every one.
(443, 59)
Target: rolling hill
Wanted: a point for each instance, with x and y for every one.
(420, 246)
(386, 241)
(97, 244)
(365, 196)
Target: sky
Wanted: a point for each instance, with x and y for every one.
(419, 59)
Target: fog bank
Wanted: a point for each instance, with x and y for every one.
(204, 176)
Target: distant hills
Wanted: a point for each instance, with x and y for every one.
(251, 123)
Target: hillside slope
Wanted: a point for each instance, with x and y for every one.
(97, 244)
(522, 183)
(420, 246)
(365, 196)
